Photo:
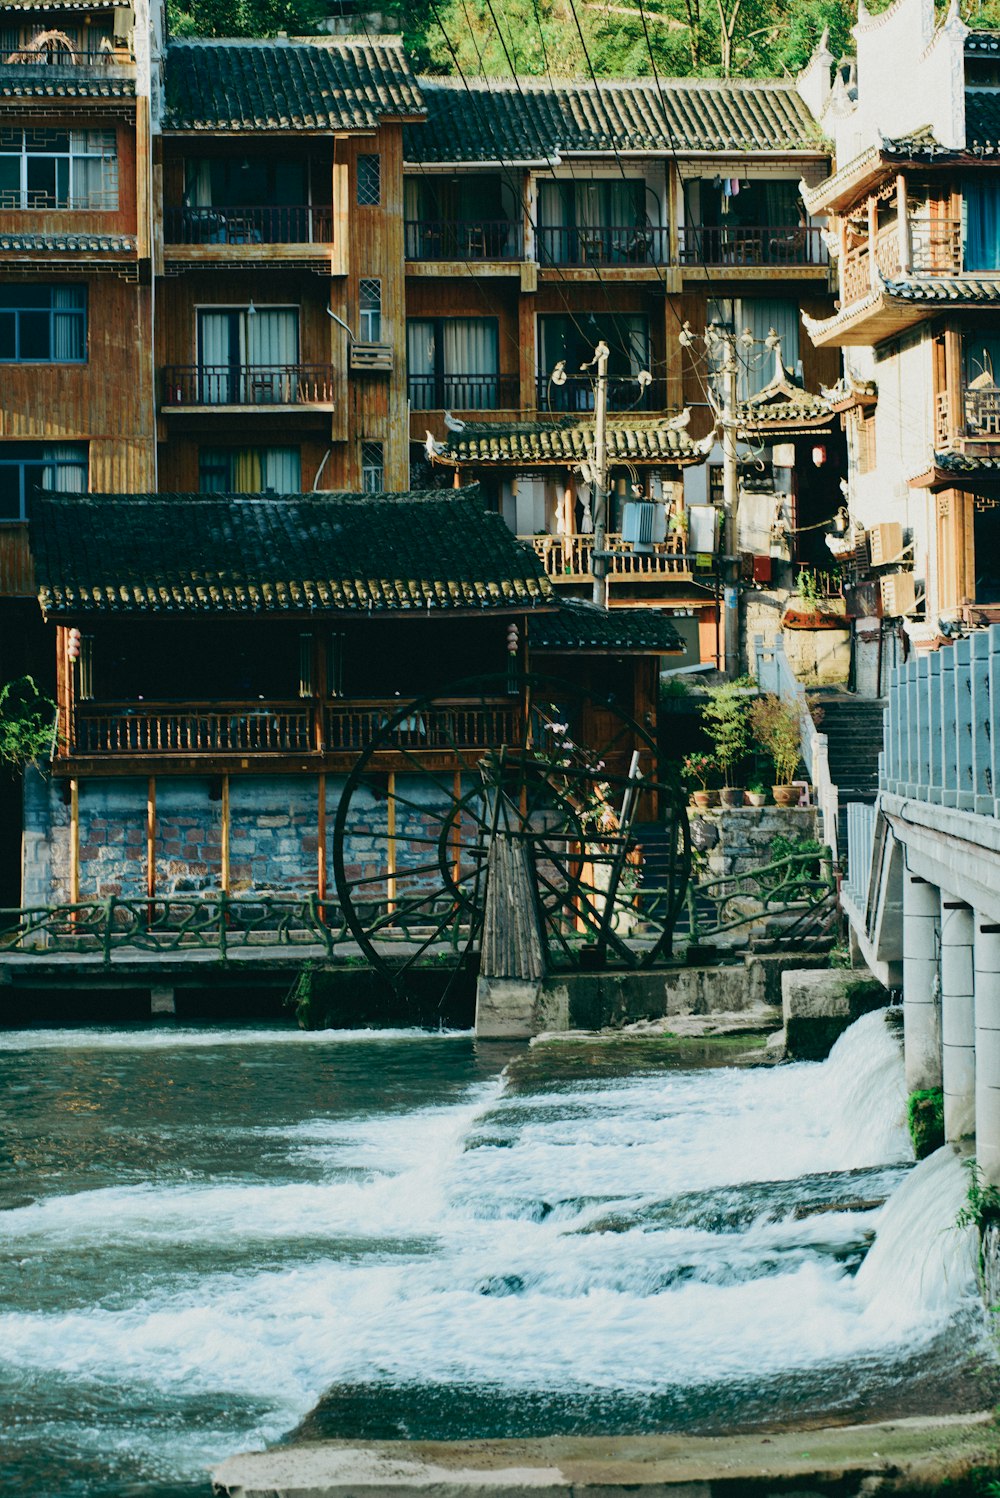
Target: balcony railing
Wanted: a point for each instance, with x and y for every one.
(577, 394)
(935, 250)
(248, 385)
(222, 728)
(463, 392)
(569, 558)
(58, 63)
(438, 726)
(274, 224)
(739, 244)
(975, 414)
(301, 727)
(463, 239)
(641, 244)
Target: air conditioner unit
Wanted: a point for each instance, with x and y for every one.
(885, 543)
(638, 519)
(899, 594)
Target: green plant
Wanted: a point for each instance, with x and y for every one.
(807, 587)
(696, 769)
(726, 719)
(982, 1203)
(677, 524)
(26, 722)
(775, 726)
(799, 879)
(925, 1117)
(674, 686)
(756, 786)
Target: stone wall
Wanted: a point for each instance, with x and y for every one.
(738, 841)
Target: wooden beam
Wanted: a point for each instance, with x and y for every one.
(151, 837)
(391, 842)
(224, 836)
(74, 842)
(321, 836)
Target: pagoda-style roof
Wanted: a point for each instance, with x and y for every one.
(895, 305)
(783, 408)
(539, 120)
(580, 626)
(439, 550)
(36, 81)
(959, 470)
(320, 84)
(662, 440)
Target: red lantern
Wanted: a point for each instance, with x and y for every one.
(73, 645)
(819, 455)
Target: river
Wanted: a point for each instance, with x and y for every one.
(211, 1237)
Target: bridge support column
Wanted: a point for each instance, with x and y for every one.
(958, 1021)
(921, 984)
(161, 1000)
(987, 981)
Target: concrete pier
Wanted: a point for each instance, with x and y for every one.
(958, 1024)
(921, 984)
(987, 981)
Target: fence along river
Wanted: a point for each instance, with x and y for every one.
(214, 1237)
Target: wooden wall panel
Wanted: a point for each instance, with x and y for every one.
(178, 469)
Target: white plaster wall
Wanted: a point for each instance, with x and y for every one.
(908, 77)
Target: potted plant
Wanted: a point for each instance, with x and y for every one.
(775, 726)
(727, 722)
(697, 768)
(756, 794)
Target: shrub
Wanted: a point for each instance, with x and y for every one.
(775, 726)
(726, 719)
(26, 722)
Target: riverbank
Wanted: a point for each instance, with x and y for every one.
(918, 1455)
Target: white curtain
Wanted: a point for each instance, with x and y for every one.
(281, 470)
(760, 315)
(93, 169)
(68, 324)
(198, 183)
(68, 473)
(217, 336)
(421, 358)
(553, 221)
(471, 348)
(272, 339)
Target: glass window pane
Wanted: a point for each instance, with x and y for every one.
(10, 491)
(10, 181)
(35, 339)
(8, 335)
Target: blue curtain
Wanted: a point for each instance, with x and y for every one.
(982, 240)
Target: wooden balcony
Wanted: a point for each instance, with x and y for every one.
(968, 419)
(935, 249)
(118, 736)
(231, 235)
(463, 239)
(56, 64)
(463, 392)
(737, 246)
(568, 559)
(249, 387)
(604, 245)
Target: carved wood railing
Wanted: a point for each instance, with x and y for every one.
(570, 557)
(440, 725)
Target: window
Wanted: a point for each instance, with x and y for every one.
(982, 229)
(760, 315)
(246, 200)
(369, 181)
(370, 317)
(866, 442)
(43, 324)
(26, 466)
(42, 168)
(250, 470)
(372, 467)
(582, 221)
(248, 356)
(453, 363)
(572, 340)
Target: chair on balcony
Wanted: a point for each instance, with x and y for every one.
(788, 249)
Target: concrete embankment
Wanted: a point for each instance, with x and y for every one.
(956, 1455)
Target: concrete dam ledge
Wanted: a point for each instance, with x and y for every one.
(911, 1455)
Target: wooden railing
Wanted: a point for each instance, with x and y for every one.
(463, 392)
(855, 275)
(440, 725)
(738, 244)
(638, 244)
(60, 62)
(935, 250)
(248, 385)
(974, 414)
(569, 558)
(191, 728)
(936, 246)
(577, 394)
(463, 239)
(274, 224)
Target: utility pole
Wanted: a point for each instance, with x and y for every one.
(730, 500)
(600, 506)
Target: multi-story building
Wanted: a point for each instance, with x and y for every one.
(912, 222)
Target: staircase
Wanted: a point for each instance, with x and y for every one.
(853, 728)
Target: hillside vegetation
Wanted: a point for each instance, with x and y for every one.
(680, 38)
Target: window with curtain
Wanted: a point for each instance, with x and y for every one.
(43, 324)
(43, 168)
(982, 224)
(249, 470)
(248, 355)
(370, 310)
(583, 220)
(60, 467)
(572, 340)
(759, 315)
(453, 363)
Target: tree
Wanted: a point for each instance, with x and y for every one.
(26, 722)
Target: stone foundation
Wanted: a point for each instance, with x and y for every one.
(738, 840)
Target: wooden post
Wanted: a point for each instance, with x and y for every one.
(390, 888)
(873, 279)
(320, 688)
(902, 225)
(74, 842)
(842, 230)
(151, 838)
(224, 836)
(321, 836)
(456, 831)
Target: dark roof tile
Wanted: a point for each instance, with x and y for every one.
(583, 626)
(301, 553)
(568, 441)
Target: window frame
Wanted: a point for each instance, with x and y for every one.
(370, 316)
(108, 200)
(79, 314)
(368, 179)
(370, 468)
(37, 459)
(211, 459)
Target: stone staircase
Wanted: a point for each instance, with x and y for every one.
(853, 728)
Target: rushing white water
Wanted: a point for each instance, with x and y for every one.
(643, 1237)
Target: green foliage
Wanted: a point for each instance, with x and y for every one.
(243, 17)
(982, 1203)
(925, 1117)
(798, 881)
(726, 720)
(696, 769)
(26, 722)
(775, 726)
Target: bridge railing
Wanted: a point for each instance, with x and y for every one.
(774, 674)
(942, 726)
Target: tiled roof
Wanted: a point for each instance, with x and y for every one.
(982, 39)
(568, 441)
(982, 118)
(965, 463)
(27, 82)
(782, 404)
(964, 289)
(190, 553)
(342, 84)
(64, 4)
(492, 119)
(582, 626)
(106, 244)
